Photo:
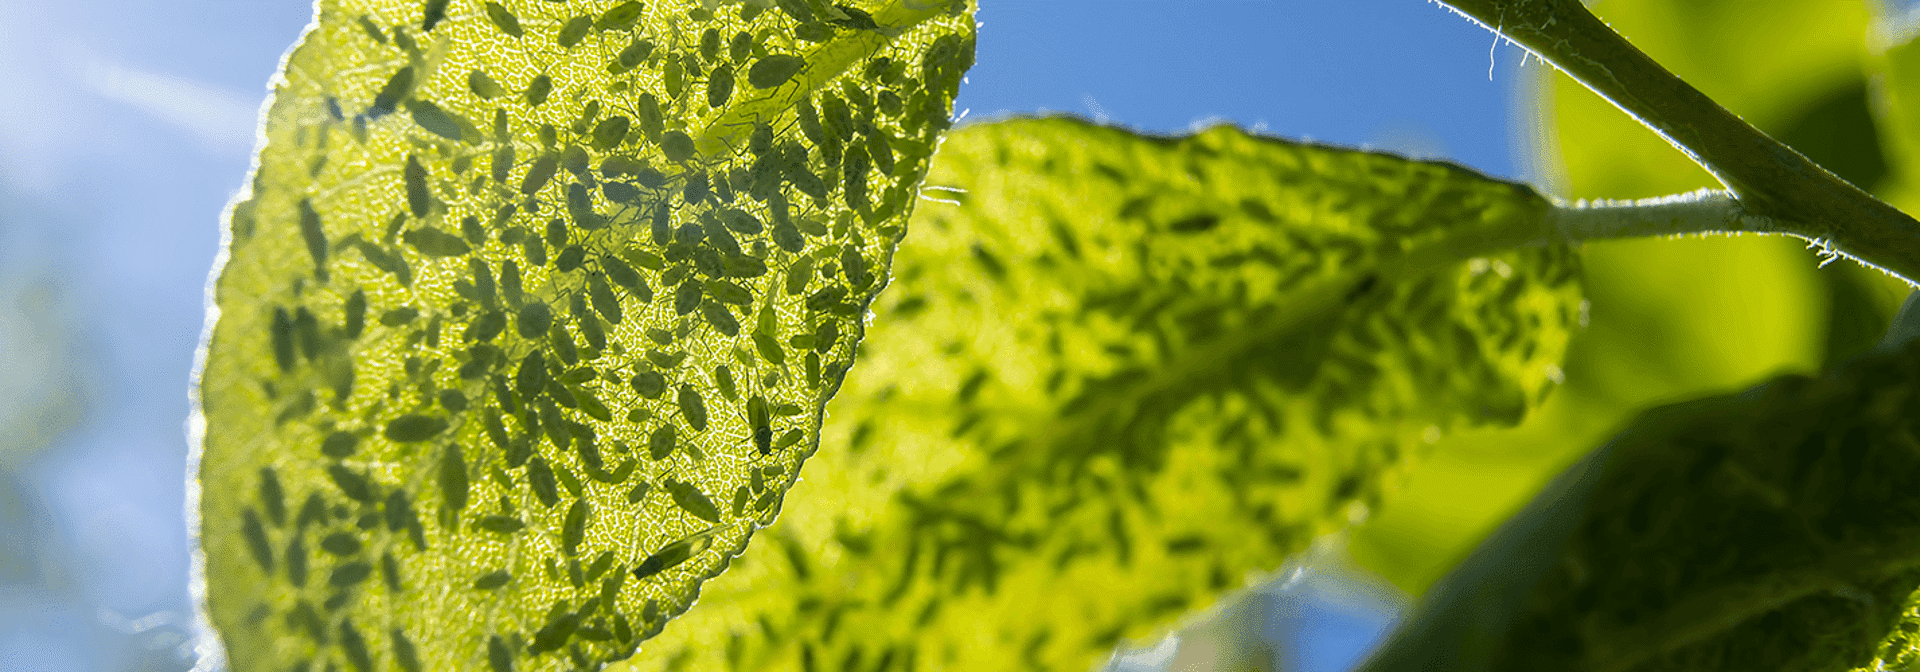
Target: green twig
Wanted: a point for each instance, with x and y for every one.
(1768, 178)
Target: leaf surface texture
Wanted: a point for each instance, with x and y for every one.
(1114, 375)
(505, 362)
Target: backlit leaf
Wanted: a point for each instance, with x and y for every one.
(474, 179)
(1768, 530)
(1115, 374)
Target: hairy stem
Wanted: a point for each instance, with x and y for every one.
(1768, 178)
(1704, 211)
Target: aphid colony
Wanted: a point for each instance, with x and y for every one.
(605, 304)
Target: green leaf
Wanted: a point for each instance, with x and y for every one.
(1662, 307)
(536, 203)
(1772, 530)
(1118, 373)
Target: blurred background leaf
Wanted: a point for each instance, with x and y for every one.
(1677, 318)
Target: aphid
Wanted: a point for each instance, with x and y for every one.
(539, 173)
(660, 442)
(340, 543)
(769, 349)
(787, 237)
(538, 89)
(574, 530)
(437, 121)
(482, 85)
(619, 17)
(619, 166)
(272, 497)
(492, 580)
(856, 165)
(486, 327)
(741, 221)
(855, 266)
(692, 407)
(621, 274)
(710, 44)
(635, 52)
(686, 297)
(399, 511)
(610, 132)
(813, 369)
(532, 375)
(647, 108)
(498, 656)
(595, 334)
(349, 575)
(723, 379)
(504, 19)
(604, 301)
(565, 349)
(661, 225)
(306, 332)
(356, 313)
(372, 31)
(354, 647)
(729, 292)
(314, 511)
(571, 258)
(889, 103)
(664, 360)
(880, 149)
(403, 652)
(500, 524)
(649, 384)
(535, 251)
(798, 274)
(676, 145)
(435, 243)
(395, 90)
(257, 540)
(674, 77)
(573, 31)
(759, 420)
(739, 499)
(717, 234)
(476, 236)
(533, 320)
(452, 477)
(696, 189)
(716, 314)
(856, 19)
(282, 332)
(414, 428)
(296, 562)
(315, 237)
(720, 86)
(825, 336)
(353, 485)
(496, 430)
(540, 478)
(433, 334)
(638, 492)
(826, 298)
(693, 501)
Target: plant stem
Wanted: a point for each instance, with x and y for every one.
(1703, 211)
(1769, 179)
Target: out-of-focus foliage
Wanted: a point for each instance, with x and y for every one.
(529, 317)
(1115, 375)
(1671, 319)
(1769, 530)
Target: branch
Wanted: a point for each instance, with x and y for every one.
(1768, 178)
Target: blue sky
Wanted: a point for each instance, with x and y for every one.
(127, 125)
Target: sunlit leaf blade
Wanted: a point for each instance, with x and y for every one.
(1114, 375)
(1776, 529)
(506, 361)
